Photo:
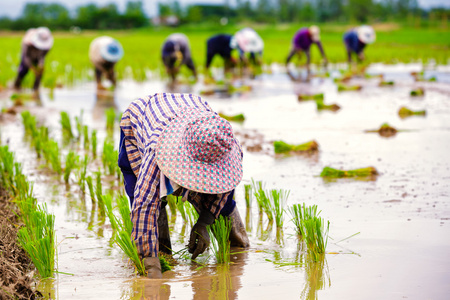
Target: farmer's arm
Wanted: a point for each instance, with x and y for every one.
(322, 52)
(291, 54)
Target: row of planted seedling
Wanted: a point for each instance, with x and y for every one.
(37, 234)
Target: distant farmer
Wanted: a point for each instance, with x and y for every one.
(104, 53)
(175, 144)
(220, 45)
(356, 39)
(35, 46)
(250, 44)
(176, 52)
(302, 42)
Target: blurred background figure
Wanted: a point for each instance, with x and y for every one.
(176, 52)
(302, 41)
(220, 44)
(250, 47)
(35, 46)
(356, 39)
(104, 53)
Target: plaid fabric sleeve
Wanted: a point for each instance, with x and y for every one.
(217, 204)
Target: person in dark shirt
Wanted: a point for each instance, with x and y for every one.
(220, 44)
(302, 42)
(356, 39)
(175, 53)
(35, 46)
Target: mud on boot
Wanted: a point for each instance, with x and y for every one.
(238, 235)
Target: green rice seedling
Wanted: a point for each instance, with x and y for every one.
(278, 199)
(66, 126)
(261, 198)
(94, 143)
(322, 106)
(344, 87)
(86, 137)
(283, 147)
(37, 238)
(239, 118)
(164, 260)
(316, 236)
(386, 83)
(305, 97)
(128, 246)
(71, 163)
(52, 155)
(29, 122)
(191, 213)
(109, 157)
(172, 202)
(99, 191)
(82, 172)
(110, 118)
(107, 200)
(336, 173)
(79, 125)
(417, 92)
(248, 195)
(242, 89)
(182, 209)
(90, 185)
(405, 112)
(220, 244)
(299, 214)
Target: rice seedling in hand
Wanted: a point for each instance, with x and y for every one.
(172, 202)
(278, 200)
(336, 173)
(110, 119)
(405, 112)
(66, 126)
(220, 244)
(283, 147)
(71, 163)
(233, 118)
(248, 195)
(305, 97)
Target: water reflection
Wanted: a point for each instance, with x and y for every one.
(147, 289)
(317, 277)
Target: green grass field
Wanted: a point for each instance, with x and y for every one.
(68, 63)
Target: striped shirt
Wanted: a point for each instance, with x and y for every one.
(141, 125)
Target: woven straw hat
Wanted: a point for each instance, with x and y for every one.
(198, 151)
(247, 40)
(366, 34)
(315, 33)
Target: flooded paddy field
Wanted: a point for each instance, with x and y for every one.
(389, 235)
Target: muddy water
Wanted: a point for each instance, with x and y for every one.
(402, 216)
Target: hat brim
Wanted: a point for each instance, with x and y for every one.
(112, 57)
(42, 45)
(364, 37)
(175, 161)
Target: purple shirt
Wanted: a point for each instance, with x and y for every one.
(302, 39)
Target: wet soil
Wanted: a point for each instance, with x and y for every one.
(402, 215)
(15, 266)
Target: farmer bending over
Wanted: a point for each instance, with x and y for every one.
(175, 144)
(356, 39)
(302, 42)
(250, 47)
(104, 53)
(176, 52)
(220, 44)
(35, 46)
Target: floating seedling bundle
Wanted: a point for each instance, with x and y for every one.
(233, 118)
(305, 97)
(336, 173)
(322, 106)
(344, 87)
(385, 130)
(405, 112)
(417, 92)
(283, 147)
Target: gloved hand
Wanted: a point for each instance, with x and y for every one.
(199, 239)
(153, 267)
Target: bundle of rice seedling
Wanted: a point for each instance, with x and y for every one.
(71, 163)
(283, 147)
(220, 244)
(417, 92)
(300, 213)
(344, 87)
(322, 106)
(66, 126)
(386, 83)
(278, 199)
(405, 112)
(304, 97)
(336, 173)
(316, 236)
(233, 118)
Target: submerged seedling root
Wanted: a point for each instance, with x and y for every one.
(304, 97)
(323, 106)
(405, 112)
(282, 147)
(233, 118)
(336, 173)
